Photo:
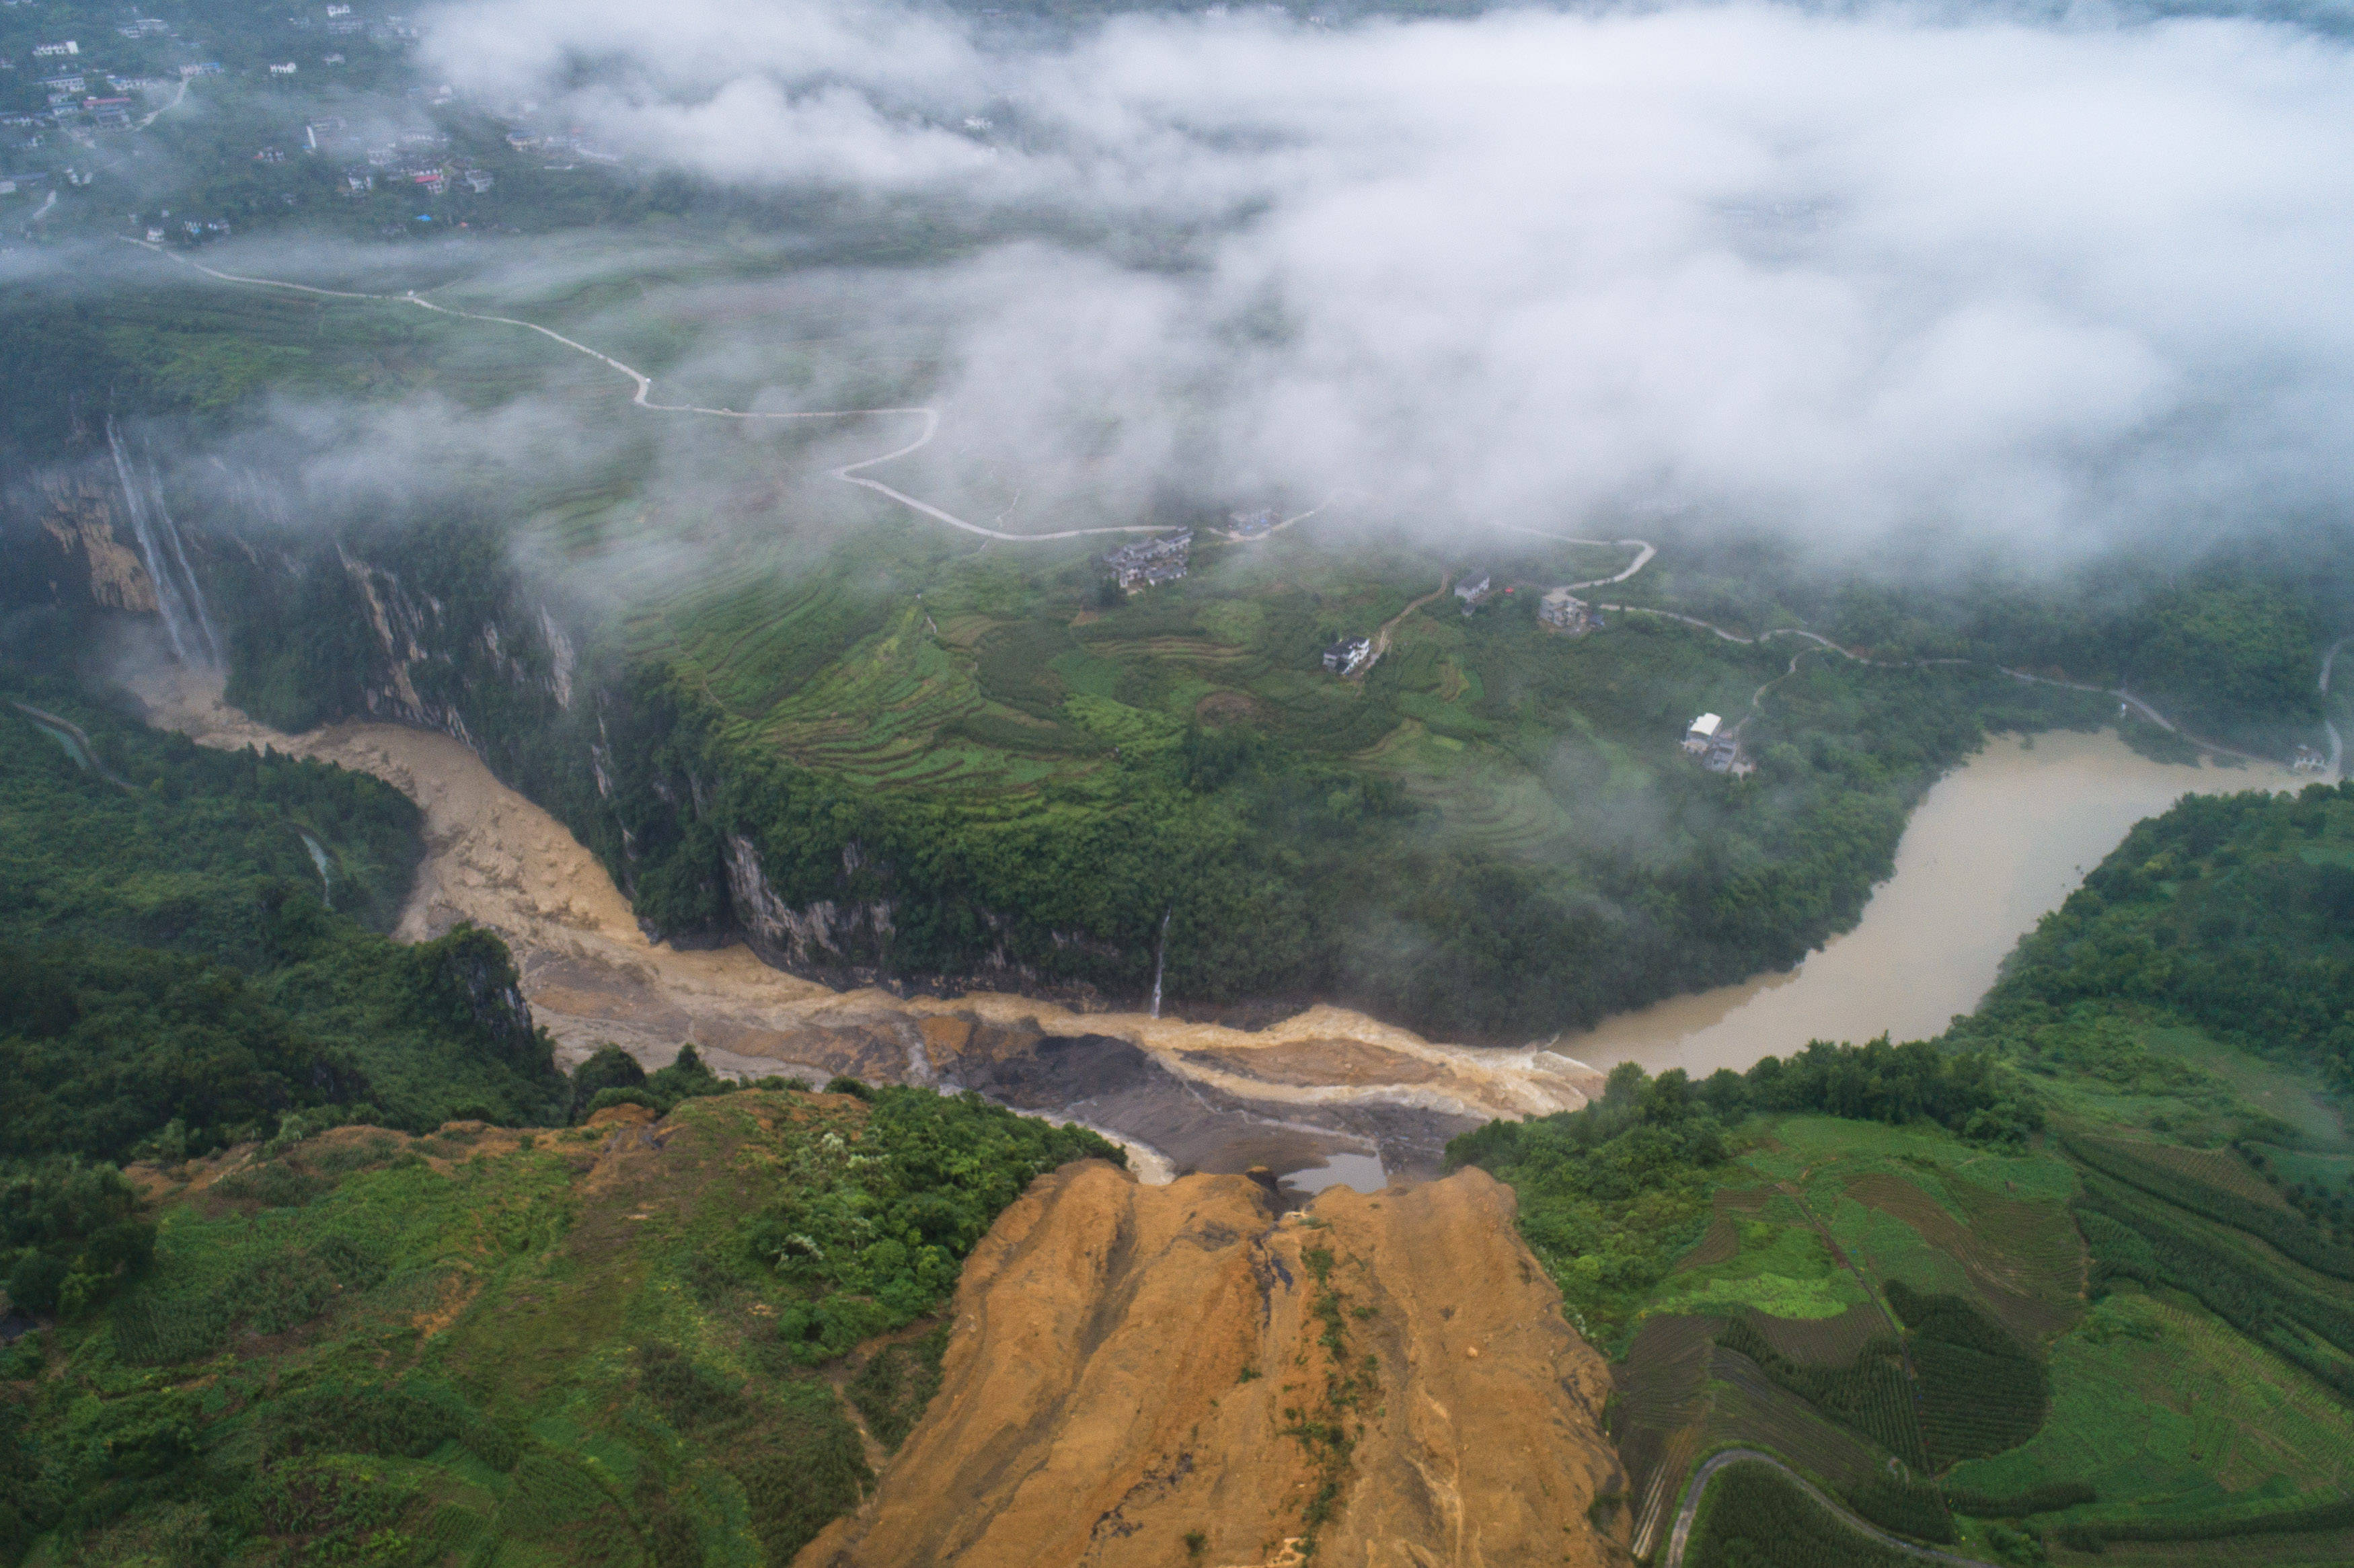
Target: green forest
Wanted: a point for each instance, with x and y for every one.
(1495, 836)
(195, 945)
(2051, 1264)
(357, 1345)
(1492, 836)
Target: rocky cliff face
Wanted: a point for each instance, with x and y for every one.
(430, 623)
(1168, 1375)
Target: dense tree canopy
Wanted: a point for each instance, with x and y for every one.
(186, 944)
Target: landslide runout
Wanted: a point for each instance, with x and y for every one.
(1170, 1375)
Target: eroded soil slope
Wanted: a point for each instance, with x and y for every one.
(1173, 1375)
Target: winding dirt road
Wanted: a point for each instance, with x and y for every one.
(1382, 638)
(2123, 695)
(153, 115)
(848, 473)
(1690, 1511)
(1644, 551)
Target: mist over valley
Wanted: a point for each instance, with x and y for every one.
(856, 782)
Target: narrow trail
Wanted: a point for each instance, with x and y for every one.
(153, 115)
(1644, 550)
(849, 473)
(1382, 638)
(1690, 1511)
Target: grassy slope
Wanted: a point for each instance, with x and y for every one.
(536, 1348)
(2163, 1409)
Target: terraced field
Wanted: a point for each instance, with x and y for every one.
(1751, 1411)
(2170, 1414)
(1826, 1342)
(2022, 1259)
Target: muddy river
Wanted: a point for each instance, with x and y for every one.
(1999, 843)
(1325, 1096)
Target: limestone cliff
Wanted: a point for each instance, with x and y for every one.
(1173, 1375)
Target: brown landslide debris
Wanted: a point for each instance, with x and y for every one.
(1173, 1375)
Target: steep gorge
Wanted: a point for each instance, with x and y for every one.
(533, 761)
(1324, 1082)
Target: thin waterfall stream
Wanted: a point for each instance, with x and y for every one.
(319, 859)
(212, 643)
(1160, 960)
(178, 599)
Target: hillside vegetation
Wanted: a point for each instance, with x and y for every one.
(617, 1343)
(1495, 834)
(194, 946)
(2077, 1278)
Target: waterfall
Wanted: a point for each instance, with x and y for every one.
(212, 648)
(192, 637)
(319, 859)
(167, 595)
(1160, 960)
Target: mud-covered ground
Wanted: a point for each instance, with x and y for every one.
(1133, 1377)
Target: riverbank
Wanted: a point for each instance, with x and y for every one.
(1998, 842)
(1326, 1089)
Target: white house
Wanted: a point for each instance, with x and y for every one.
(1702, 733)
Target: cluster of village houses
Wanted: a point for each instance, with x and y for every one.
(420, 158)
(1558, 610)
(1163, 558)
(1718, 749)
(76, 105)
(72, 83)
(1148, 563)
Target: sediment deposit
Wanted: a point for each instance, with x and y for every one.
(1325, 1081)
(1157, 1375)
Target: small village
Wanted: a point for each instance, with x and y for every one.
(1349, 655)
(1150, 561)
(1164, 557)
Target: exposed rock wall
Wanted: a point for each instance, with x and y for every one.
(1388, 1377)
(60, 543)
(825, 937)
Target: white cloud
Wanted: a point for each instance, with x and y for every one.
(1855, 275)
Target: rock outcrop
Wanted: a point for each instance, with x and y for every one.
(1175, 1375)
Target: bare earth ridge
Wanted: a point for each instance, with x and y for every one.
(1131, 1365)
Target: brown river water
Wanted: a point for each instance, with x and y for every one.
(1328, 1096)
(1999, 843)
